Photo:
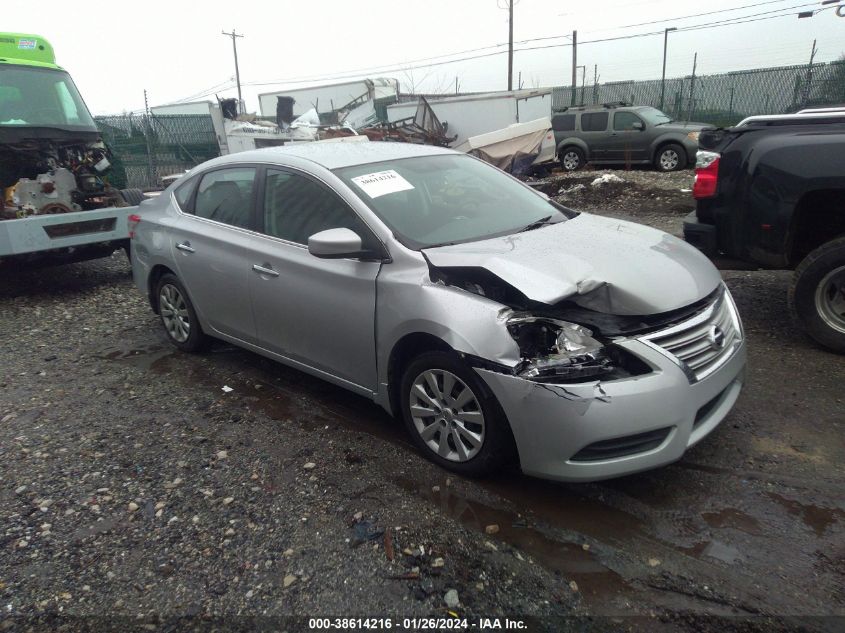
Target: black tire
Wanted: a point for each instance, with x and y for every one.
(810, 303)
(670, 157)
(497, 446)
(572, 158)
(196, 340)
(132, 197)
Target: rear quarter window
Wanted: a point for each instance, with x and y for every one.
(594, 122)
(563, 123)
(184, 192)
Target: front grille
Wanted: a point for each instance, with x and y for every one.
(703, 343)
(621, 446)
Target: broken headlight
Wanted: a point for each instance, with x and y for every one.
(554, 350)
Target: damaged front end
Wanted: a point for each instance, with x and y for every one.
(557, 351)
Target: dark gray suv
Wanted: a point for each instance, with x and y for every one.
(612, 133)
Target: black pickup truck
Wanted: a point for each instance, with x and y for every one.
(771, 192)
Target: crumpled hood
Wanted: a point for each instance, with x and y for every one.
(602, 264)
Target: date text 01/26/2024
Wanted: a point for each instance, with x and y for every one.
(415, 624)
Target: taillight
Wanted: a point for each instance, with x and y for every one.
(706, 174)
(133, 220)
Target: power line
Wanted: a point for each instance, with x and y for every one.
(405, 65)
(693, 15)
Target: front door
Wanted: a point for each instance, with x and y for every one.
(320, 312)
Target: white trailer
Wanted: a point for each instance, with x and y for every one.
(328, 98)
(471, 115)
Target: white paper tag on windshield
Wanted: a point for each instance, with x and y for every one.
(382, 183)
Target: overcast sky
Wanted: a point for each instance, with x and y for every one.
(114, 50)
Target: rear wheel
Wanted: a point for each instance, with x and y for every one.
(453, 420)
(817, 295)
(572, 159)
(178, 315)
(671, 157)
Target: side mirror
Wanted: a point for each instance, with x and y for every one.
(638, 125)
(336, 244)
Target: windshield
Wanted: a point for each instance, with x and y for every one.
(447, 199)
(41, 97)
(654, 116)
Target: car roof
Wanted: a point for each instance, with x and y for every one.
(333, 155)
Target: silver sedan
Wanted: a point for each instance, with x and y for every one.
(497, 324)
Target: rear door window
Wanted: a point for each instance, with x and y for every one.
(594, 122)
(225, 195)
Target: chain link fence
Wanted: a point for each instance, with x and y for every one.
(722, 99)
(147, 147)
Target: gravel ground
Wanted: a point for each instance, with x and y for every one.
(134, 485)
(640, 195)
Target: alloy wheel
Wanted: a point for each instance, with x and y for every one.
(174, 313)
(571, 161)
(447, 415)
(669, 160)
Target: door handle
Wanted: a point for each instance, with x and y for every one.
(185, 246)
(265, 270)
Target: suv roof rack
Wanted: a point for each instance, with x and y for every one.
(589, 106)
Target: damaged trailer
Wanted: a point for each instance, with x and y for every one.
(519, 149)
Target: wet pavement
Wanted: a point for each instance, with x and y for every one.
(732, 529)
(749, 522)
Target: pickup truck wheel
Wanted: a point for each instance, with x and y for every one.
(671, 157)
(178, 315)
(452, 418)
(817, 295)
(132, 197)
(572, 159)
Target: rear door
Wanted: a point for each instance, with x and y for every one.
(319, 312)
(595, 134)
(210, 240)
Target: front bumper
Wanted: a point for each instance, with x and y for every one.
(552, 424)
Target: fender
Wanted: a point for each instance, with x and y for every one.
(573, 141)
(668, 137)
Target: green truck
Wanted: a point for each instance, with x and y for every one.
(55, 198)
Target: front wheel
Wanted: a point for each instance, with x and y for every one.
(178, 315)
(817, 295)
(452, 418)
(671, 157)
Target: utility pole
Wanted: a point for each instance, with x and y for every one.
(663, 76)
(805, 93)
(510, 44)
(692, 87)
(233, 35)
(147, 133)
(595, 84)
(574, 64)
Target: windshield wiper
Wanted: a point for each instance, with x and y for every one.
(536, 224)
